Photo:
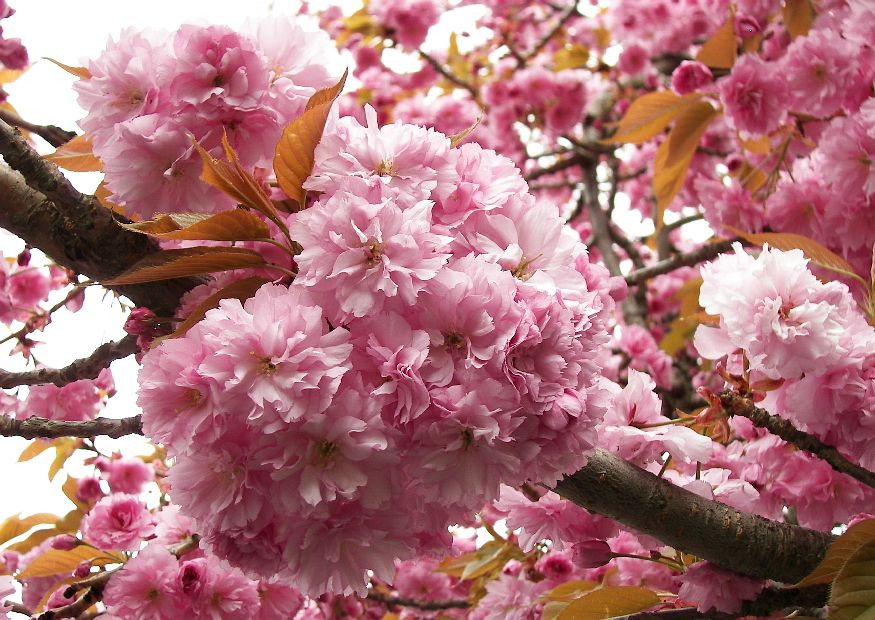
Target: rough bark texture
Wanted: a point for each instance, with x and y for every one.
(75, 230)
(738, 541)
(34, 427)
(85, 368)
(736, 404)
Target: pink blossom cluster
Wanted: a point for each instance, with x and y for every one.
(407, 21)
(443, 336)
(792, 327)
(13, 54)
(23, 286)
(76, 401)
(557, 100)
(151, 93)
(157, 585)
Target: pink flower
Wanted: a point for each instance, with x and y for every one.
(785, 320)
(13, 54)
(145, 588)
(274, 371)
(7, 587)
(407, 21)
(754, 95)
(645, 355)
(712, 588)
(359, 254)
(217, 590)
(128, 475)
(418, 579)
(690, 76)
(511, 598)
(127, 80)
(408, 161)
(118, 521)
(217, 66)
(88, 489)
(636, 406)
(279, 600)
(555, 565)
(152, 167)
(74, 402)
(553, 518)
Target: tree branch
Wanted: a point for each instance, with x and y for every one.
(559, 166)
(35, 427)
(735, 404)
(567, 14)
(409, 602)
(449, 75)
(737, 541)
(85, 368)
(706, 252)
(50, 133)
(81, 235)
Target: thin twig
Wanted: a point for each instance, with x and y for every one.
(559, 166)
(84, 368)
(18, 608)
(448, 74)
(567, 14)
(706, 252)
(736, 404)
(409, 602)
(35, 427)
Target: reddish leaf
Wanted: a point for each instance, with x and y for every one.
(230, 177)
(168, 264)
(241, 289)
(294, 158)
(234, 225)
(844, 547)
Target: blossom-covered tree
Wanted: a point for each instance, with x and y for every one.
(403, 352)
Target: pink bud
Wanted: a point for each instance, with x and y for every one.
(690, 76)
(88, 490)
(24, 258)
(82, 570)
(65, 542)
(140, 321)
(734, 163)
(747, 27)
(591, 554)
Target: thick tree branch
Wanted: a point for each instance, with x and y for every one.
(85, 368)
(734, 404)
(737, 541)
(35, 427)
(80, 234)
(706, 252)
(409, 602)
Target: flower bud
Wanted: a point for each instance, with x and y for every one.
(747, 27)
(65, 542)
(591, 554)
